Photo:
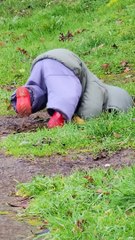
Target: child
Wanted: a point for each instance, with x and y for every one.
(61, 82)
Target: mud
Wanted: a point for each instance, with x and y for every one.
(16, 124)
(14, 170)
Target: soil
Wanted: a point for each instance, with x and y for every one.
(14, 170)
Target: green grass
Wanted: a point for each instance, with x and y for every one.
(86, 205)
(103, 33)
(108, 132)
(98, 204)
(5, 106)
(35, 27)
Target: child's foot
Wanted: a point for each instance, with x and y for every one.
(57, 120)
(23, 102)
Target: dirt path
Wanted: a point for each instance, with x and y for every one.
(13, 170)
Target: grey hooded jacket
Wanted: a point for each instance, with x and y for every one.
(96, 95)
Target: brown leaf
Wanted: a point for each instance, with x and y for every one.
(78, 120)
(2, 44)
(69, 35)
(23, 51)
(89, 178)
(106, 193)
(99, 191)
(106, 66)
(45, 222)
(79, 225)
(127, 69)
(65, 37)
(80, 31)
(124, 63)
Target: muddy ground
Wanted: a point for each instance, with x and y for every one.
(14, 170)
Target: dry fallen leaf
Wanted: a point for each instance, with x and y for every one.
(100, 191)
(80, 31)
(124, 63)
(89, 178)
(23, 51)
(68, 36)
(80, 225)
(127, 69)
(78, 120)
(106, 66)
(2, 44)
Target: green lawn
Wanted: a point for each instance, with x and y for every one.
(99, 204)
(102, 33)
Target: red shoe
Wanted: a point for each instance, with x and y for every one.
(57, 120)
(23, 102)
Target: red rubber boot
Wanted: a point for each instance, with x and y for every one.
(57, 120)
(23, 102)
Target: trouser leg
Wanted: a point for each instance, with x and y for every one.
(63, 94)
(63, 87)
(37, 88)
(36, 84)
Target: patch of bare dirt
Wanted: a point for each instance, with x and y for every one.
(16, 124)
(14, 170)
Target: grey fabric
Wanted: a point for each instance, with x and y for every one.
(118, 99)
(96, 96)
